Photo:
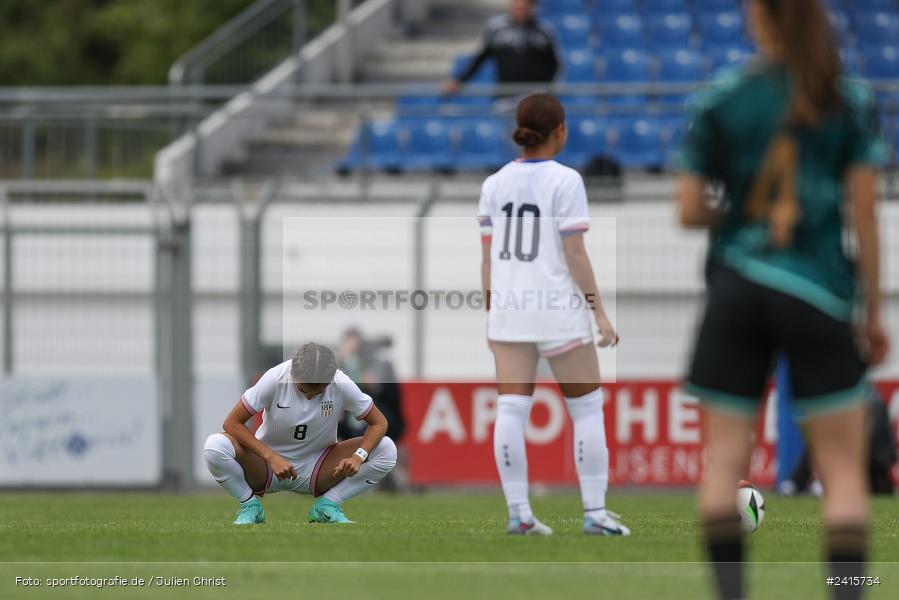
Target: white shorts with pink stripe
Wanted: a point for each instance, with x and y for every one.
(557, 348)
(307, 476)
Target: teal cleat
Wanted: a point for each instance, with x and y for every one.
(250, 512)
(536, 527)
(327, 511)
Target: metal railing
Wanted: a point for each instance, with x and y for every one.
(96, 132)
(59, 310)
(253, 42)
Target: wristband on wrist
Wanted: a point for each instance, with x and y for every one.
(361, 453)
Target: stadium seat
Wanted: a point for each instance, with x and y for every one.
(621, 31)
(376, 147)
(721, 27)
(580, 66)
(874, 28)
(586, 140)
(486, 74)
(840, 23)
(707, 6)
(637, 143)
(574, 32)
(418, 106)
(553, 8)
(482, 146)
(651, 7)
(882, 62)
(670, 30)
(630, 65)
(580, 105)
(719, 57)
(852, 61)
(873, 5)
(679, 66)
(428, 147)
(606, 8)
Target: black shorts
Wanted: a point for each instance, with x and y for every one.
(747, 325)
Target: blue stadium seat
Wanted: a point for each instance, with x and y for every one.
(621, 31)
(706, 6)
(580, 105)
(721, 27)
(428, 147)
(840, 23)
(875, 28)
(637, 143)
(664, 6)
(551, 8)
(586, 140)
(574, 31)
(679, 66)
(629, 65)
(482, 146)
(853, 62)
(418, 106)
(606, 8)
(727, 55)
(873, 5)
(376, 146)
(626, 65)
(486, 74)
(881, 62)
(580, 66)
(670, 30)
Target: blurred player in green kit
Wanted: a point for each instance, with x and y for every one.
(793, 265)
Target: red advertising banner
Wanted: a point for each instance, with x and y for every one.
(653, 430)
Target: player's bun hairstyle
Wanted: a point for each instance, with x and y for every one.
(314, 364)
(810, 53)
(538, 116)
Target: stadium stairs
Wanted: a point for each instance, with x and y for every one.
(314, 139)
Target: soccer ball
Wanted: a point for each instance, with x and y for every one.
(750, 506)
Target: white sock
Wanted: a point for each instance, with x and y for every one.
(380, 463)
(591, 456)
(512, 412)
(222, 463)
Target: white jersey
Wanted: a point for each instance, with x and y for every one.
(294, 426)
(527, 207)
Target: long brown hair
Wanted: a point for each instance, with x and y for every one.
(537, 116)
(810, 52)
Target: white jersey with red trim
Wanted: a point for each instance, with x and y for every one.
(297, 427)
(527, 208)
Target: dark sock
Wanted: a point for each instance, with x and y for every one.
(724, 544)
(846, 547)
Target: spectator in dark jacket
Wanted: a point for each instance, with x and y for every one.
(524, 48)
(362, 360)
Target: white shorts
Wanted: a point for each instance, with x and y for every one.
(307, 475)
(555, 347)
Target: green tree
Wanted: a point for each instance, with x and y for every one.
(98, 42)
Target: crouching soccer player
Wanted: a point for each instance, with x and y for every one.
(296, 449)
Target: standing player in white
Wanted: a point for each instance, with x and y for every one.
(541, 294)
(296, 449)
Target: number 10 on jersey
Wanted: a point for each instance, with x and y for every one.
(534, 245)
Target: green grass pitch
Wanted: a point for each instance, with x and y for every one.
(434, 546)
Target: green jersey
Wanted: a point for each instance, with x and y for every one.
(735, 122)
